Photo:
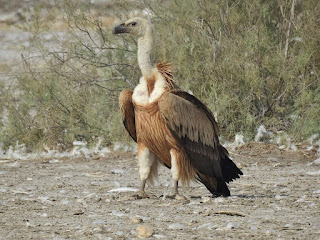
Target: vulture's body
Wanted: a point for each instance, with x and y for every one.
(171, 126)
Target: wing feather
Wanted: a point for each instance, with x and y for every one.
(193, 124)
(127, 112)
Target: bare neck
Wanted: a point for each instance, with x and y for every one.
(145, 45)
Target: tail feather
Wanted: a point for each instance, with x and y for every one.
(230, 170)
(217, 187)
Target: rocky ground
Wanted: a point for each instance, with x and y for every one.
(81, 198)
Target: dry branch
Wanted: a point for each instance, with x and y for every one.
(286, 49)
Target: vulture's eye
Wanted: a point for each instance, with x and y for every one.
(133, 23)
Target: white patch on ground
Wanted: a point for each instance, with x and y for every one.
(124, 189)
(293, 147)
(284, 141)
(118, 146)
(99, 221)
(54, 161)
(314, 173)
(262, 134)
(176, 226)
(207, 226)
(302, 199)
(312, 139)
(19, 151)
(317, 161)
(219, 200)
(80, 149)
(45, 199)
(317, 191)
(117, 213)
(232, 225)
(277, 140)
(159, 236)
(15, 164)
(238, 141)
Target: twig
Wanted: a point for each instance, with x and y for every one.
(239, 214)
(288, 30)
(123, 77)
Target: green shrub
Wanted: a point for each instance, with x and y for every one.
(232, 55)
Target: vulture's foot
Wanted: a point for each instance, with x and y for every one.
(175, 193)
(141, 195)
(176, 196)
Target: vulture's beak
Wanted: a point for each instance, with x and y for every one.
(120, 29)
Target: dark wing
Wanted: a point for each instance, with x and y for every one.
(193, 124)
(127, 111)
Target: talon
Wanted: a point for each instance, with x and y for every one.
(180, 197)
(176, 196)
(141, 195)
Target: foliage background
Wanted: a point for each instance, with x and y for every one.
(252, 62)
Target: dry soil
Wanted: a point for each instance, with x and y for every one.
(80, 198)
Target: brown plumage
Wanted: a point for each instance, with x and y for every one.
(172, 126)
(166, 71)
(127, 112)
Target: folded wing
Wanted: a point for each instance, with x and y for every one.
(193, 124)
(127, 112)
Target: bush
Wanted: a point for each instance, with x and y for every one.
(251, 62)
(233, 55)
(67, 88)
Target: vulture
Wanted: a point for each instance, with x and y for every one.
(170, 126)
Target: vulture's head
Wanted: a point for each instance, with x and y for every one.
(136, 26)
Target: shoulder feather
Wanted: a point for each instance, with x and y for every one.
(165, 69)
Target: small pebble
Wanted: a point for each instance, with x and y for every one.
(95, 157)
(144, 231)
(206, 199)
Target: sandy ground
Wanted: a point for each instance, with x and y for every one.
(79, 198)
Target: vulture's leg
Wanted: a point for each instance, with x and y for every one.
(142, 193)
(147, 164)
(175, 175)
(175, 187)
